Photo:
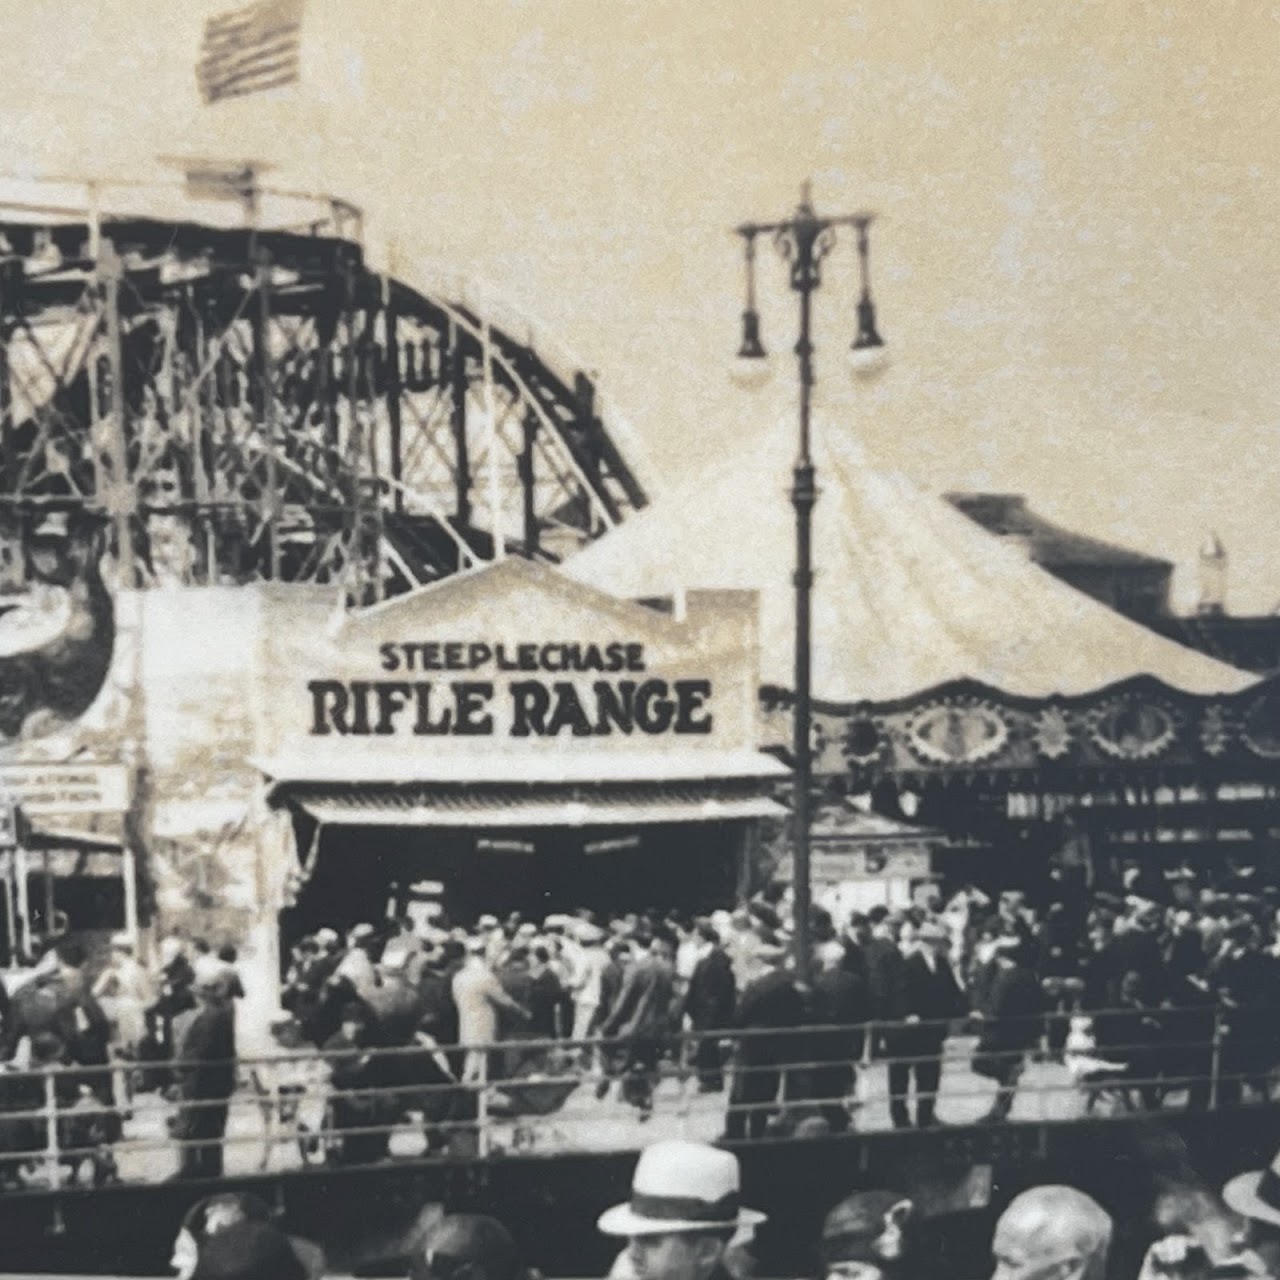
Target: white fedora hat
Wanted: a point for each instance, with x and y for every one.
(1256, 1194)
(681, 1186)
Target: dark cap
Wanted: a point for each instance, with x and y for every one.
(231, 1214)
(208, 1216)
(248, 1250)
(470, 1241)
(867, 1226)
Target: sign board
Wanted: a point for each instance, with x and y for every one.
(64, 788)
(513, 661)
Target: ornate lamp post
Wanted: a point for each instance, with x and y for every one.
(804, 240)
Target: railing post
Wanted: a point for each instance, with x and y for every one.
(689, 1046)
(483, 1137)
(50, 1113)
(1215, 1065)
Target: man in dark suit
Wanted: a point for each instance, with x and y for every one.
(883, 967)
(1135, 947)
(839, 1001)
(930, 997)
(1012, 1022)
(770, 1002)
(710, 1003)
(642, 1020)
(205, 1073)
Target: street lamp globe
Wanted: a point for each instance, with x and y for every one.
(868, 356)
(752, 367)
(867, 363)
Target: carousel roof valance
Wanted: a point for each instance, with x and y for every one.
(909, 595)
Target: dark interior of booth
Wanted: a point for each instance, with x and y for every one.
(359, 873)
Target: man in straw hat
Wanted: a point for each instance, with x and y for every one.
(683, 1212)
(1255, 1196)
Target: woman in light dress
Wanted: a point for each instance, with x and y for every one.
(125, 991)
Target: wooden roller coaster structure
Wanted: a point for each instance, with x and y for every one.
(255, 402)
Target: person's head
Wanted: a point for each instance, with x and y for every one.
(228, 954)
(866, 1236)
(466, 1246)
(821, 926)
(355, 1020)
(539, 958)
(708, 934)
(1132, 988)
(1052, 1233)
(858, 928)
(364, 936)
(232, 1236)
(200, 946)
(882, 925)
(829, 956)
(1255, 1196)
(661, 946)
(677, 1255)
(588, 934)
(683, 1211)
(71, 958)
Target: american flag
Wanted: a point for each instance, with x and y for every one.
(249, 50)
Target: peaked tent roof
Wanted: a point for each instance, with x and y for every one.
(908, 594)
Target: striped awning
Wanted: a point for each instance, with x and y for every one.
(523, 807)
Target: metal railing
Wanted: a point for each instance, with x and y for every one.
(130, 1121)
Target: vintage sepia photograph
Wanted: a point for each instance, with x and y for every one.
(639, 639)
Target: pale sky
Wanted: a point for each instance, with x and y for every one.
(1076, 261)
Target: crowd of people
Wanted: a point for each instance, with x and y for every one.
(1158, 987)
(1163, 985)
(685, 1220)
(97, 1038)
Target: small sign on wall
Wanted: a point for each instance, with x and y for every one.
(65, 788)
